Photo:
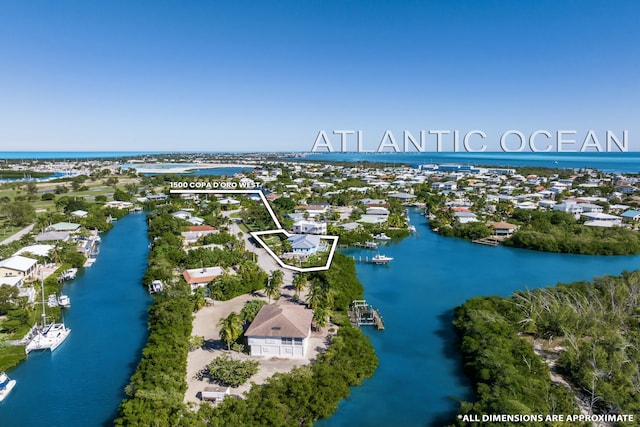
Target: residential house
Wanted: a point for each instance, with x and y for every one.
(53, 236)
(200, 277)
(304, 244)
(280, 330)
(18, 265)
(502, 228)
(631, 215)
(309, 227)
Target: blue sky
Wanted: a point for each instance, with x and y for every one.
(213, 76)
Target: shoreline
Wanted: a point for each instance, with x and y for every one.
(156, 168)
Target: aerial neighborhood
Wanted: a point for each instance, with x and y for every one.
(257, 278)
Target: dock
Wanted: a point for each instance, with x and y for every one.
(366, 245)
(363, 314)
(486, 241)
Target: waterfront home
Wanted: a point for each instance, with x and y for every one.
(465, 217)
(80, 213)
(503, 229)
(18, 265)
(377, 210)
(37, 250)
(280, 330)
(196, 232)
(118, 204)
(404, 197)
(69, 227)
(373, 219)
(53, 236)
(304, 244)
(200, 277)
(309, 227)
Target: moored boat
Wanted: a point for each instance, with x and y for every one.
(64, 301)
(381, 259)
(382, 236)
(6, 385)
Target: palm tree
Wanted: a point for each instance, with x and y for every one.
(315, 297)
(320, 317)
(271, 289)
(230, 328)
(277, 277)
(299, 282)
(198, 299)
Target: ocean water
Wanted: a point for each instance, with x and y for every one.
(82, 382)
(609, 162)
(419, 380)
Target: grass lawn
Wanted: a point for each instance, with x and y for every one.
(11, 355)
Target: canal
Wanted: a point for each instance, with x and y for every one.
(82, 382)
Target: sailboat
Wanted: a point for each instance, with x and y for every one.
(48, 336)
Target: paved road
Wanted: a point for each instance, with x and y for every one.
(265, 261)
(18, 235)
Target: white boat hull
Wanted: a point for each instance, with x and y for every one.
(50, 338)
(6, 385)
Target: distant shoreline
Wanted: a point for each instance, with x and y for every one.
(157, 168)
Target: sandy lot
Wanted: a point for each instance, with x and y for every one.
(205, 324)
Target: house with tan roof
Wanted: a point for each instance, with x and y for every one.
(502, 228)
(280, 330)
(200, 277)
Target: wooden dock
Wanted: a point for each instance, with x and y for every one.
(486, 241)
(363, 314)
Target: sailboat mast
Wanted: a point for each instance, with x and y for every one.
(44, 314)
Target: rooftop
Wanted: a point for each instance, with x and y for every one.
(281, 321)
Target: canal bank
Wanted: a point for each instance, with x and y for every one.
(419, 380)
(82, 382)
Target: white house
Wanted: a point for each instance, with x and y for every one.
(569, 207)
(304, 244)
(18, 281)
(18, 266)
(377, 210)
(465, 217)
(591, 207)
(602, 217)
(280, 331)
(309, 227)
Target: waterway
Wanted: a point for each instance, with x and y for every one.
(82, 382)
(419, 380)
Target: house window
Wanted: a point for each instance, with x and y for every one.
(287, 341)
(297, 341)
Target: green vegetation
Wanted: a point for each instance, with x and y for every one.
(158, 385)
(304, 395)
(230, 372)
(11, 355)
(589, 328)
(20, 174)
(559, 232)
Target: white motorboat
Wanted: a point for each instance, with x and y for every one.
(412, 228)
(64, 301)
(381, 236)
(6, 385)
(381, 259)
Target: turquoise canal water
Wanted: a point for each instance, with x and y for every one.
(82, 382)
(419, 379)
